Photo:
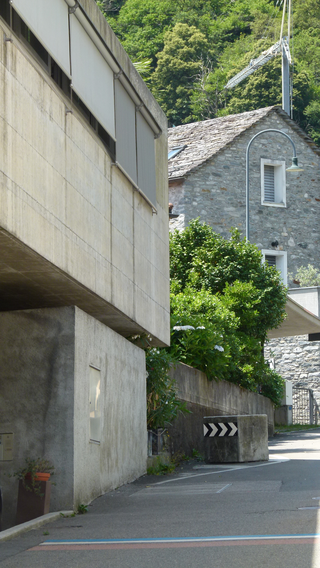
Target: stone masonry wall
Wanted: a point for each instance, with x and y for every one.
(298, 360)
(215, 192)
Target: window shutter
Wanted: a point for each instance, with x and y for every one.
(92, 78)
(48, 20)
(269, 184)
(271, 260)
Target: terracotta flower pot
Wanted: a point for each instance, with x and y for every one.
(39, 476)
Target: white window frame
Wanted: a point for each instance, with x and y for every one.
(281, 262)
(95, 404)
(279, 182)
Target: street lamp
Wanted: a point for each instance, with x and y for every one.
(293, 168)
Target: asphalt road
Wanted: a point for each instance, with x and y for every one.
(237, 516)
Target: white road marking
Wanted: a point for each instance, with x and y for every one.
(236, 468)
(223, 488)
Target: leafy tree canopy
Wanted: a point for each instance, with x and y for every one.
(233, 34)
(223, 302)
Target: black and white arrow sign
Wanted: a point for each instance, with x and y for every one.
(211, 429)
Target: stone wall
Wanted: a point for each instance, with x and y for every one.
(298, 360)
(215, 192)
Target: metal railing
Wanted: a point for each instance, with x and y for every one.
(305, 409)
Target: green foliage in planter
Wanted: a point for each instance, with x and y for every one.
(32, 467)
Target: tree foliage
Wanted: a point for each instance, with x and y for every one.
(307, 276)
(163, 406)
(223, 302)
(189, 81)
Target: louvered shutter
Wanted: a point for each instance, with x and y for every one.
(269, 184)
(271, 260)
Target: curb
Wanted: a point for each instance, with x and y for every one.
(33, 524)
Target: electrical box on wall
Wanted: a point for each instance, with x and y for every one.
(287, 394)
(6, 446)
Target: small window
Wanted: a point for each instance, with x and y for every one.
(278, 259)
(314, 337)
(94, 403)
(175, 151)
(273, 183)
(271, 260)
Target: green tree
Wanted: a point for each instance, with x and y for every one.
(307, 276)
(223, 302)
(141, 26)
(178, 65)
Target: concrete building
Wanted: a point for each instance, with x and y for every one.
(84, 248)
(207, 179)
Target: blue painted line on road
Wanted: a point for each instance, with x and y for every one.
(180, 539)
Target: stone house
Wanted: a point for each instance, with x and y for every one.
(84, 249)
(207, 179)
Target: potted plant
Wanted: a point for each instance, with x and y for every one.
(34, 488)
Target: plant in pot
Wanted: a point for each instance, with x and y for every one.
(34, 488)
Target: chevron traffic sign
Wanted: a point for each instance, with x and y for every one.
(211, 429)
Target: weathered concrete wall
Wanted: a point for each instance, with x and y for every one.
(36, 394)
(206, 398)
(62, 198)
(44, 391)
(215, 192)
(122, 453)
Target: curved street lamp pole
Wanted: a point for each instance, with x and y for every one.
(293, 168)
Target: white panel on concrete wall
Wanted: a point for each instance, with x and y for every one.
(48, 20)
(126, 131)
(92, 78)
(95, 404)
(146, 159)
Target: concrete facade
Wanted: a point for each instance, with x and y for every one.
(84, 260)
(72, 225)
(45, 362)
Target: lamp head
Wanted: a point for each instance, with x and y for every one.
(294, 167)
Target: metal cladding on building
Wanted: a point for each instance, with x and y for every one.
(84, 246)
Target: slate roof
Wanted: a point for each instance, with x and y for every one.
(202, 140)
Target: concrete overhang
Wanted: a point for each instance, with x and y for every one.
(299, 321)
(29, 281)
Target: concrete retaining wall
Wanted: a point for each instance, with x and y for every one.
(45, 361)
(206, 398)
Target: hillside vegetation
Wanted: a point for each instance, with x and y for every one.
(190, 48)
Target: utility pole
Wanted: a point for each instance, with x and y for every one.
(282, 46)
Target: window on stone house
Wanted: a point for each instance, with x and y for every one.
(273, 183)
(278, 259)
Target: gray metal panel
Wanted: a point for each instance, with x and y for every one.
(126, 131)
(146, 159)
(48, 20)
(92, 78)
